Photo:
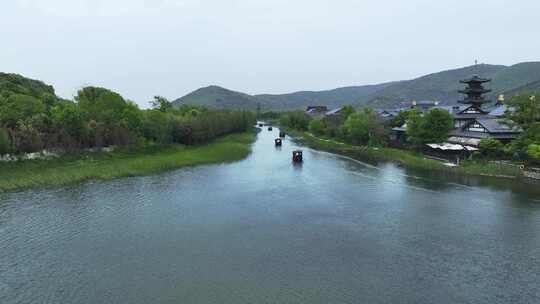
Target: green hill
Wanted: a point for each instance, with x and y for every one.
(529, 87)
(331, 98)
(17, 84)
(219, 98)
(442, 86)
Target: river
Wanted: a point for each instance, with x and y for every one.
(332, 230)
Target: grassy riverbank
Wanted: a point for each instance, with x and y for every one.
(409, 159)
(19, 175)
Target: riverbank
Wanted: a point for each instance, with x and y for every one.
(407, 158)
(104, 166)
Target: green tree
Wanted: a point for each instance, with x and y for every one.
(437, 124)
(161, 103)
(316, 126)
(27, 138)
(432, 127)
(533, 151)
(5, 142)
(491, 147)
(132, 117)
(365, 127)
(157, 126)
(531, 135)
(347, 111)
(101, 105)
(67, 117)
(18, 107)
(525, 113)
(526, 110)
(296, 120)
(415, 127)
(401, 118)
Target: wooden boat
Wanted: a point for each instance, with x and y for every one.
(278, 142)
(297, 156)
(269, 128)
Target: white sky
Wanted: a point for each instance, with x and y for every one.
(141, 48)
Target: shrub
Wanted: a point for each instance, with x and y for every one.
(317, 127)
(365, 127)
(5, 143)
(533, 151)
(296, 120)
(491, 147)
(432, 127)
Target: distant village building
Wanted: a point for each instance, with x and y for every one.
(334, 118)
(473, 120)
(424, 106)
(316, 111)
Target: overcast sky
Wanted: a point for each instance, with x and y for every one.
(142, 48)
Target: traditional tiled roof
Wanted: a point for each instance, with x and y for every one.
(316, 111)
(475, 78)
(334, 111)
(495, 125)
(499, 110)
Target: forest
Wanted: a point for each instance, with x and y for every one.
(33, 118)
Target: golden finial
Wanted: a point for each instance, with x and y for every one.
(501, 98)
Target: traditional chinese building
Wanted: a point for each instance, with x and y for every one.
(476, 121)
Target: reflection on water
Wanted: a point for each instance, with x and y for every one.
(265, 230)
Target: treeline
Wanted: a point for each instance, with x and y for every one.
(33, 118)
(362, 127)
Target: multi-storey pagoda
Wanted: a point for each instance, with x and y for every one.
(473, 102)
(475, 91)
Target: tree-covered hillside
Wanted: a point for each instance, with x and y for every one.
(21, 85)
(219, 98)
(442, 86)
(331, 98)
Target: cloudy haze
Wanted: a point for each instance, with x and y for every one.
(141, 48)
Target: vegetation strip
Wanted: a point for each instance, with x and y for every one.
(408, 159)
(104, 166)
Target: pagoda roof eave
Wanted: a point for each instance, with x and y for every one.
(477, 91)
(475, 79)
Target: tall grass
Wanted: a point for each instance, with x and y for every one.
(25, 174)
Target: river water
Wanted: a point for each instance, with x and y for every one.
(332, 230)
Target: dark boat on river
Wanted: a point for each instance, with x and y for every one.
(269, 128)
(297, 156)
(281, 134)
(278, 142)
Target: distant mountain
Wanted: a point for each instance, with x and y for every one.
(529, 87)
(219, 98)
(331, 98)
(442, 86)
